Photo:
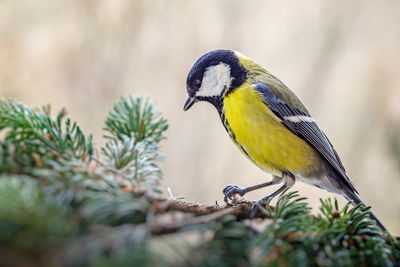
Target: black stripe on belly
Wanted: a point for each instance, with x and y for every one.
(232, 134)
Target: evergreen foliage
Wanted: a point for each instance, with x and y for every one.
(64, 204)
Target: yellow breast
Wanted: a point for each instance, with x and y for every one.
(263, 138)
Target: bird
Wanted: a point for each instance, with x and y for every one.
(269, 125)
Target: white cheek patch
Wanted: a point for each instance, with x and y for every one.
(215, 80)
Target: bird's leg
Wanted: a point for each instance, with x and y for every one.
(289, 181)
(230, 190)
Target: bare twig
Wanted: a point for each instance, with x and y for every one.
(160, 228)
(204, 213)
(185, 206)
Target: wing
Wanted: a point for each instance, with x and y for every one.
(303, 125)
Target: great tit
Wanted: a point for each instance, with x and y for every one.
(269, 124)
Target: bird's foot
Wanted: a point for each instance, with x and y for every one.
(230, 191)
(258, 205)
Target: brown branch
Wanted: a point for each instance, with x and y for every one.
(204, 213)
(240, 209)
(160, 228)
(186, 206)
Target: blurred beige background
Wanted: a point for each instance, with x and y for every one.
(340, 57)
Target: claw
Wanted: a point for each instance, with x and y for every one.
(226, 188)
(254, 210)
(230, 190)
(259, 205)
(226, 199)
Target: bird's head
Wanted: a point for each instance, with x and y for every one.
(213, 76)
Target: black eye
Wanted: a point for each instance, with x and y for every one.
(196, 84)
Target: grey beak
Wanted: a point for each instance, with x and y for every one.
(189, 103)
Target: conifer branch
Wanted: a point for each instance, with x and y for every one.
(206, 213)
(241, 209)
(63, 202)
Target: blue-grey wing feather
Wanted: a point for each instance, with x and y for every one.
(307, 130)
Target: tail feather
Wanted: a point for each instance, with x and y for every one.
(351, 196)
